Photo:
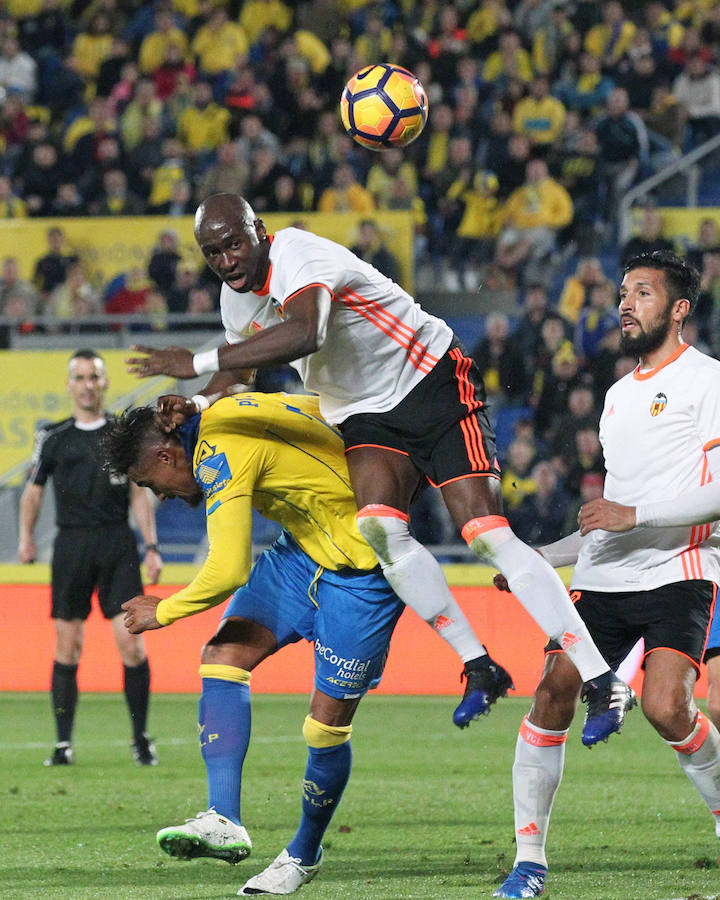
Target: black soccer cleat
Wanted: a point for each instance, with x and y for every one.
(608, 700)
(144, 751)
(62, 755)
(485, 682)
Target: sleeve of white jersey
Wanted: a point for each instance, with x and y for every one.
(708, 417)
(703, 504)
(307, 263)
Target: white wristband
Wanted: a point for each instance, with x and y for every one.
(207, 362)
(201, 402)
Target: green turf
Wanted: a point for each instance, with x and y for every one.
(427, 814)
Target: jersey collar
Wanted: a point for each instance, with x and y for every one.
(643, 376)
(188, 433)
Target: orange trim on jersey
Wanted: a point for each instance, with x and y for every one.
(257, 326)
(300, 290)
(710, 620)
(379, 447)
(383, 313)
(673, 650)
(710, 444)
(380, 509)
(536, 738)
(393, 327)
(481, 525)
(697, 738)
(643, 376)
(460, 478)
(690, 557)
(265, 289)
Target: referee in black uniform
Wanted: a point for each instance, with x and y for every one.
(94, 548)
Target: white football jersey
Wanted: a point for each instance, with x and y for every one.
(380, 343)
(660, 430)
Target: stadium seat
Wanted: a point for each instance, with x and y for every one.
(505, 420)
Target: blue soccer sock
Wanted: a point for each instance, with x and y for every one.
(224, 721)
(326, 774)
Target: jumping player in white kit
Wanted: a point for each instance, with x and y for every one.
(410, 405)
(646, 555)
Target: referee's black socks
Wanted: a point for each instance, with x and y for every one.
(137, 694)
(64, 692)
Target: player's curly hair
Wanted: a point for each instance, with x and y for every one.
(127, 435)
(681, 277)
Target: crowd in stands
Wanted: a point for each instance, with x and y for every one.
(542, 114)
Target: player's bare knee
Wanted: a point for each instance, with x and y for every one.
(134, 654)
(226, 655)
(670, 713)
(68, 647)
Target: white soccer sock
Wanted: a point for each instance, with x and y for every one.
(416, 577)
(539, 588)
(699, 757)
(537, 772)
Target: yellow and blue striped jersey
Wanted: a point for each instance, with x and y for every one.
(273, 452)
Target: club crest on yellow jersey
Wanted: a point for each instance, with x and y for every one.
(212, 471)
(658, 404)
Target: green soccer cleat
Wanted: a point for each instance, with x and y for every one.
(208, 834)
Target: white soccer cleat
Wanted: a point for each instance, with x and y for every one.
(208, 834)
(284, 875)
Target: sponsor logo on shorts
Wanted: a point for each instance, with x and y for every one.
(351, 672)
(355, 665)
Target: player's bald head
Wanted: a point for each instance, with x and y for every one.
(221, 211)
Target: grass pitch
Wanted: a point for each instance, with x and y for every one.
(427, 814)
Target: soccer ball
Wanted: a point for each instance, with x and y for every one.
(383, 106)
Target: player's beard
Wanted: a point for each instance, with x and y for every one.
(649, 339)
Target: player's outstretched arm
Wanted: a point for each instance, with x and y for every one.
(175, 361)
(140, 614)
(302, 332)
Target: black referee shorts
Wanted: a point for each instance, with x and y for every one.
(89, 558)
(441, 425)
